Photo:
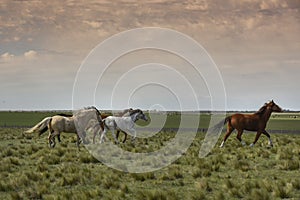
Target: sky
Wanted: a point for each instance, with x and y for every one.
(255, 45)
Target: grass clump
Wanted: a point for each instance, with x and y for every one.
(156, 194)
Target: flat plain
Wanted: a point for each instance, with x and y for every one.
(31, 170)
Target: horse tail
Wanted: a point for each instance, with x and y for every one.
(227, 119)
(41, 127)
(222, 123)
(49, 127)
(104, 125)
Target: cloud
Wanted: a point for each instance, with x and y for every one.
(241, 36)
(93, 24)
(75, 21)
(271, 4)
(31, 54)
(7, 57)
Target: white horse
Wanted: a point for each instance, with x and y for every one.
(124, 124)
(94, 128)
(68, 124)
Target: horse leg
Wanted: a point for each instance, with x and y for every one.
(133, 132)
(229, 131)
(78, 141)
(58, 138)
(103, 135)
(114, 136)
(269, 137)
(239, 137)
(95, 133)
(256, 138)
(125, 137)
(117, 135)
(51, 138)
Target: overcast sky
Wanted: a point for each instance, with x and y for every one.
(255, 44)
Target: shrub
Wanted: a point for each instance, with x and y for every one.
(153, 194)
(259, 194)
(229, 184)
(281, 192)
(203, 185)
(5, 187)
(296, 184)
(289, 165)
(242, 165)
(198, 195)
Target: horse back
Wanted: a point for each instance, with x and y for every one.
(63, 124)
(248, 122)
(122, 123)
(65, 115)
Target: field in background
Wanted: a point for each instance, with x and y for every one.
(31, 170)
(279, 122)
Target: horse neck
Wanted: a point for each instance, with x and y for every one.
(134, 117)
(266, 115)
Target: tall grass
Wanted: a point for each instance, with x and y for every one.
(31, 170)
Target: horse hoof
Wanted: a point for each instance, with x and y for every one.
(271, 144)
(251, 145)
(52, 145)
(222, 144)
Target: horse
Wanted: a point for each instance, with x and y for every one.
(251, 122)
(124, 123)
(63, 123)
(94, 129)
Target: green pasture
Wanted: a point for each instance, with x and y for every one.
(24, 118)
(31, 170)
(278, 121)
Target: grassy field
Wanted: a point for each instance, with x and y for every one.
(11, 118)
(281, 121)
(31, 170)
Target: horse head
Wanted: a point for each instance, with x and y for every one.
(274, 107)
(138, 114)
(143, 116)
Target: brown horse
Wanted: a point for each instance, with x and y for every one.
(251, 122)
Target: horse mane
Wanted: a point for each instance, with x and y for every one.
(261, 110)
(64, 115)
(105, 115)
(92, 107)
(135, 111)
(129, 110)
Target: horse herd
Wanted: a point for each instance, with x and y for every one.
(90, 120)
